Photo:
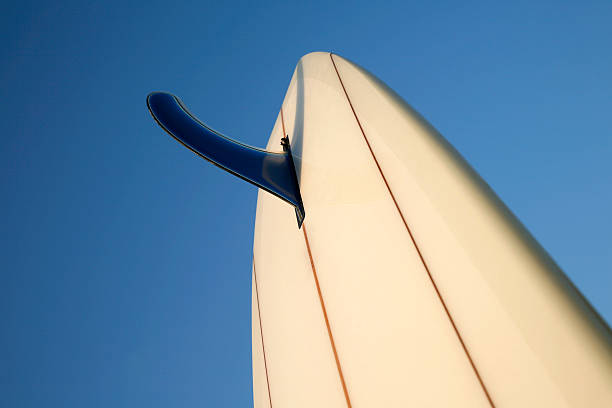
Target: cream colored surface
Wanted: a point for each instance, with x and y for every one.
(532, 338)
(301, 367)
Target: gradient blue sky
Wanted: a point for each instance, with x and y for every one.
(126, 261)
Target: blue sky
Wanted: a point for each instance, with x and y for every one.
(127, 261)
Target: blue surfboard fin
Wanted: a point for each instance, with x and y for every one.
(273, 172)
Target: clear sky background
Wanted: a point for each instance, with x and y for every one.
(126, 261)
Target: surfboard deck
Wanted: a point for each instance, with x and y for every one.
(409, 283)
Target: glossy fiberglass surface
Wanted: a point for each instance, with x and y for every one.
(410, 282)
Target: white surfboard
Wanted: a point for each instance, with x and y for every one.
(409, 283)
(405, 280)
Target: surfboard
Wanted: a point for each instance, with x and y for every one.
(405, 281)
(410, 283)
